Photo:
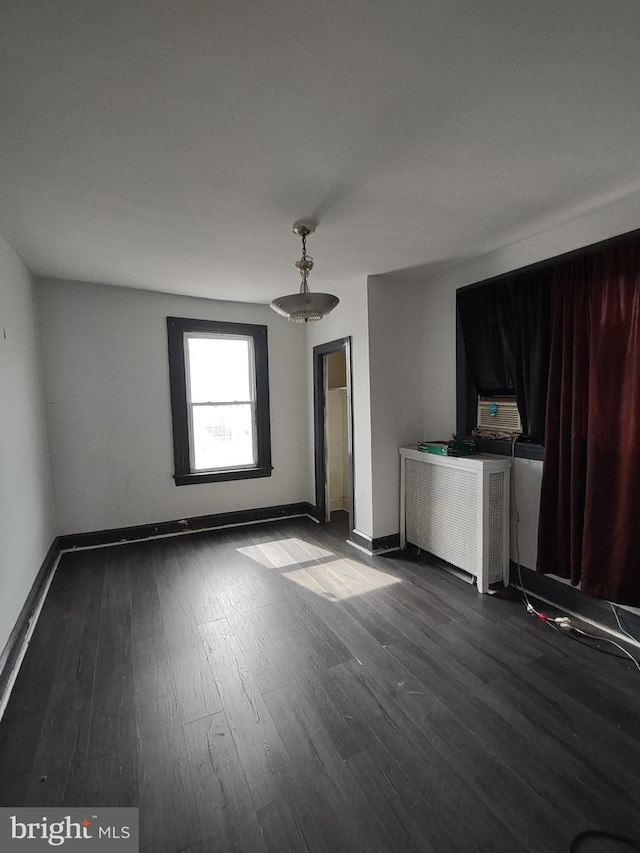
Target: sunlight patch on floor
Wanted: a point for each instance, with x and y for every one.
(274, 554)
(324, 581)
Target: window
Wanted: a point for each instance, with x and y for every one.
(503, 345)
(503, 350)
(219, 400)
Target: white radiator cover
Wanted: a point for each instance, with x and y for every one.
(458, 509)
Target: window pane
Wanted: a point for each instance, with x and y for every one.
(219, 369)
(222, 436)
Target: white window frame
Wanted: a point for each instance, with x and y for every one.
(252, 402)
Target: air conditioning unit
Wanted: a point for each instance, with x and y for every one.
(457, 508)
(498, 416)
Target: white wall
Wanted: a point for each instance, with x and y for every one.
(349, 319)
(396, 368)
(26, 509)
(439, 327)
(107, 399)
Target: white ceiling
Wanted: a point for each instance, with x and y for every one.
(170, 144)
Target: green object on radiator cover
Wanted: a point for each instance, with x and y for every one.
(448, 448)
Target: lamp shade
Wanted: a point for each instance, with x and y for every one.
(305, 307)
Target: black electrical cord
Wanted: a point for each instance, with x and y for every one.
(630, 843)
(590, 645)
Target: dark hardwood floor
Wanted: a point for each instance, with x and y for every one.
(270, 688)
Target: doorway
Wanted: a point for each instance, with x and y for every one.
(333, 430)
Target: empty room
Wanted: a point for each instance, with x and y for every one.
(319, 457)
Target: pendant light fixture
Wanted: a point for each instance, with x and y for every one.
(305, 306)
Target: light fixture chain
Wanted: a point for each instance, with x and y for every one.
(304, 247)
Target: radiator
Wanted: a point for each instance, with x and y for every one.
(458, 510)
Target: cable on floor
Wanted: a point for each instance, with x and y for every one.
(605, 640)
(562, 623)
(624, 630)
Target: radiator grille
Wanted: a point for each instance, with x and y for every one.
(441, 512)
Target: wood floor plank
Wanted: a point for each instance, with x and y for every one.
(168, 816)
(146, 613)
(65, 733)
(216, 551)
(233, 603)
(508, 743)
(222, 798)
(112, 722)
(332, 703)
(410, 822)
(480, 664)
(109, 781)
(116, 588)
(398, 614)
(356, 639)
(322, 770)
(180, 573)
(495, 640)
(256, 582)
(63, 743)
(392, 586)
(330, 573)
(233, 560)
(262, 755)
(260, 652)
(337, 711)
(600, 697)
(285, 831)
(83, 603)
(502, 791)
(356, 605)
(310, 629)
(23, 719)
(452, 731)
(196, 688)
(589, 754)
(564, 712)
(439, 784)
(443, 590)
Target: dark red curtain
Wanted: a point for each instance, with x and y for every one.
(589, 527)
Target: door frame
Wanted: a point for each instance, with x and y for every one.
(319, 437)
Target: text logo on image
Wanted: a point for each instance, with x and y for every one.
(32, 829)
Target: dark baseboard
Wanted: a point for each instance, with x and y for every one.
(567, 597)
(386, 543)
(13, 647)
(359, 540)
(375, 546)
(371, 546)
(200, 522)
(314, 512)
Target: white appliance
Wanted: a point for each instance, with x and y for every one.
(457, 508)
(499, 415)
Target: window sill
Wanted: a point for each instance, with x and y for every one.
(504, 447)
(221, 476)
